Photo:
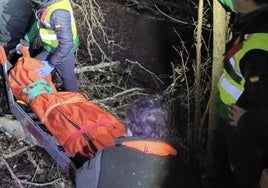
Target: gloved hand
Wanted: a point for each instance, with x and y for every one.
(46, 69)
(22, 43)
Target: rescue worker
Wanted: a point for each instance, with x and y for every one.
(15, 18)
(144, 158)
(56, 27)
(241, 148)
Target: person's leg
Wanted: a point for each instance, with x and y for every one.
(224, 176)
(66, 72)
(246, 159)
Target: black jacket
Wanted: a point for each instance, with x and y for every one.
(15, 16)
(254, 124)
(122, 166)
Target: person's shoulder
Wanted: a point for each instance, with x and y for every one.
(61, 16)
(255, 59)
(113, 163)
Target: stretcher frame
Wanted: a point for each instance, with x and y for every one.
(32, 126)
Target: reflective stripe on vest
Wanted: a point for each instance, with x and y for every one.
(48, 36)
(234, 92)
(229, 89)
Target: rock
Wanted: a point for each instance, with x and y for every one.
(11, 126)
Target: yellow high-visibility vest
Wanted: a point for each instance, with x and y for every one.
(48, 35)
(229, 89)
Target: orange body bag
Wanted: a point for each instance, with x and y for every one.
(23, 74)
(80, 126)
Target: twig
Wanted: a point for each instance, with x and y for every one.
(173, 19)
(11, 172)
(40, 184)
(20, 182)
(35, 172)
(19, 151)
(93, 19)
(154, 76)
(115, 97)
(94, 67)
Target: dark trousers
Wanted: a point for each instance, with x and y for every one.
(238, 160)
(65, 70)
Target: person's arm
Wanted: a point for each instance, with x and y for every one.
(15, 18)
(29, 36)
(61, 23)
(235, 113)
(254, 67)
(32, 33)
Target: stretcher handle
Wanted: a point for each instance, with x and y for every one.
(24, 51)
(3, 57)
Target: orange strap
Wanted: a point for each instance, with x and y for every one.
(74, 99)
(151, 147)
(78, 133)
(24, 51)
(3, 57)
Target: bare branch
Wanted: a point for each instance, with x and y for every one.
(13, 154)
(93, 68)
(153, 75)
(171, 18)
(11, 172)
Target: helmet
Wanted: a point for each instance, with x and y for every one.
(42, 3)
(228, 4)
